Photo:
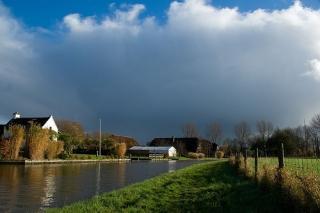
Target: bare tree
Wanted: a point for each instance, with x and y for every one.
(214, 132)
(315, 129)
(242, 132)
(189, 130)
(265, 129)
(315, 123)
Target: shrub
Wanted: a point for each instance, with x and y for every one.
(10, 147)
(219, 154)
(201, 155)
(121, 150)
(38, 139)
(194, 155)
(15, 141)
(54, 149)
(4, 149)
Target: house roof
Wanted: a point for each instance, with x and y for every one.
(27, 121)
(151, 148)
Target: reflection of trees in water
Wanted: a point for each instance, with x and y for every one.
(31, 185)
(10, 176)
(121, 172)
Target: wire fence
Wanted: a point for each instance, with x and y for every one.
(302, 165)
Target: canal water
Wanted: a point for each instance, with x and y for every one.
(32, 188)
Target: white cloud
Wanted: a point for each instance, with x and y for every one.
(145, 79)
(314, 70)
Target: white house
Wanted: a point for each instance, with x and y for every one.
(165, 151)
(26, 122)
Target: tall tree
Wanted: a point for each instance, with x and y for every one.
(214, 132)
(189, 130)
(71, 133)
(242, 132)
(265, 129)
(315, 128)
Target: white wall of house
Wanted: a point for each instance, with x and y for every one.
(172, 152)
(51, 124)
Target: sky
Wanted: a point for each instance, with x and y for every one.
(148, 67)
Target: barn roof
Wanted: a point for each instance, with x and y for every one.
(151, 148)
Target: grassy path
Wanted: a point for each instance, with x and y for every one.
(205, 187)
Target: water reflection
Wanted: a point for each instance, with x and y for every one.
(35, 187)
(172, 165)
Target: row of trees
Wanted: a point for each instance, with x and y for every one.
(302, 140)
(77, 141)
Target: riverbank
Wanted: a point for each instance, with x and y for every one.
(205, 187)
(86, 159)
(28, 162)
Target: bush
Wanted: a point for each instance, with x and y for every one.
(121, 150)
(4, 149)
(194, 155)
(10, 147)
(54, 149)
(219, 154)
(38, 139)
(15, 141)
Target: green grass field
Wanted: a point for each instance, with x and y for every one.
(206, 187)
(297, 165)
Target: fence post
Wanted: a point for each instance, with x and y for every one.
(281, 157)
(256, 156)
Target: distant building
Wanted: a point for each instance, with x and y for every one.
(152, 151)
(26, 122)
(186, 144)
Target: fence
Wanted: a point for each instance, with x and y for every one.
(298, 164)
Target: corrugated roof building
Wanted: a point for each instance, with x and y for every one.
(149, 151)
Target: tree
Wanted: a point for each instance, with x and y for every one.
(214, 132)
(121, 150)
(189, 130)
(71, 133)
(315, 131)
(265, 129)
(288, 137)
(242, 132)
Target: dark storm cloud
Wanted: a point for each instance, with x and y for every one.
(144, 79)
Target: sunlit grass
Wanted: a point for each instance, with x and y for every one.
(207, 187)
(300, 166)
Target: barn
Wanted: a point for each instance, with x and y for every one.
(153, 151)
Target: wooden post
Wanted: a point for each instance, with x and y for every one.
(256, 156)
(281, 157)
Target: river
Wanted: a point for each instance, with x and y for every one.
(32, 188)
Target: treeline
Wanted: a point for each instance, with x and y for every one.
(302, 140)
(33, 143)
(78, 142)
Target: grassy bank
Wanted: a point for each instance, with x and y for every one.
(206, 187)
(298, 186)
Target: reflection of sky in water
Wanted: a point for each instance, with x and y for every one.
(35, 187)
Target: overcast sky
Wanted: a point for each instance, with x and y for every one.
(146, 75)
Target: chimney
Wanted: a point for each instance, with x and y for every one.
(16, 115)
